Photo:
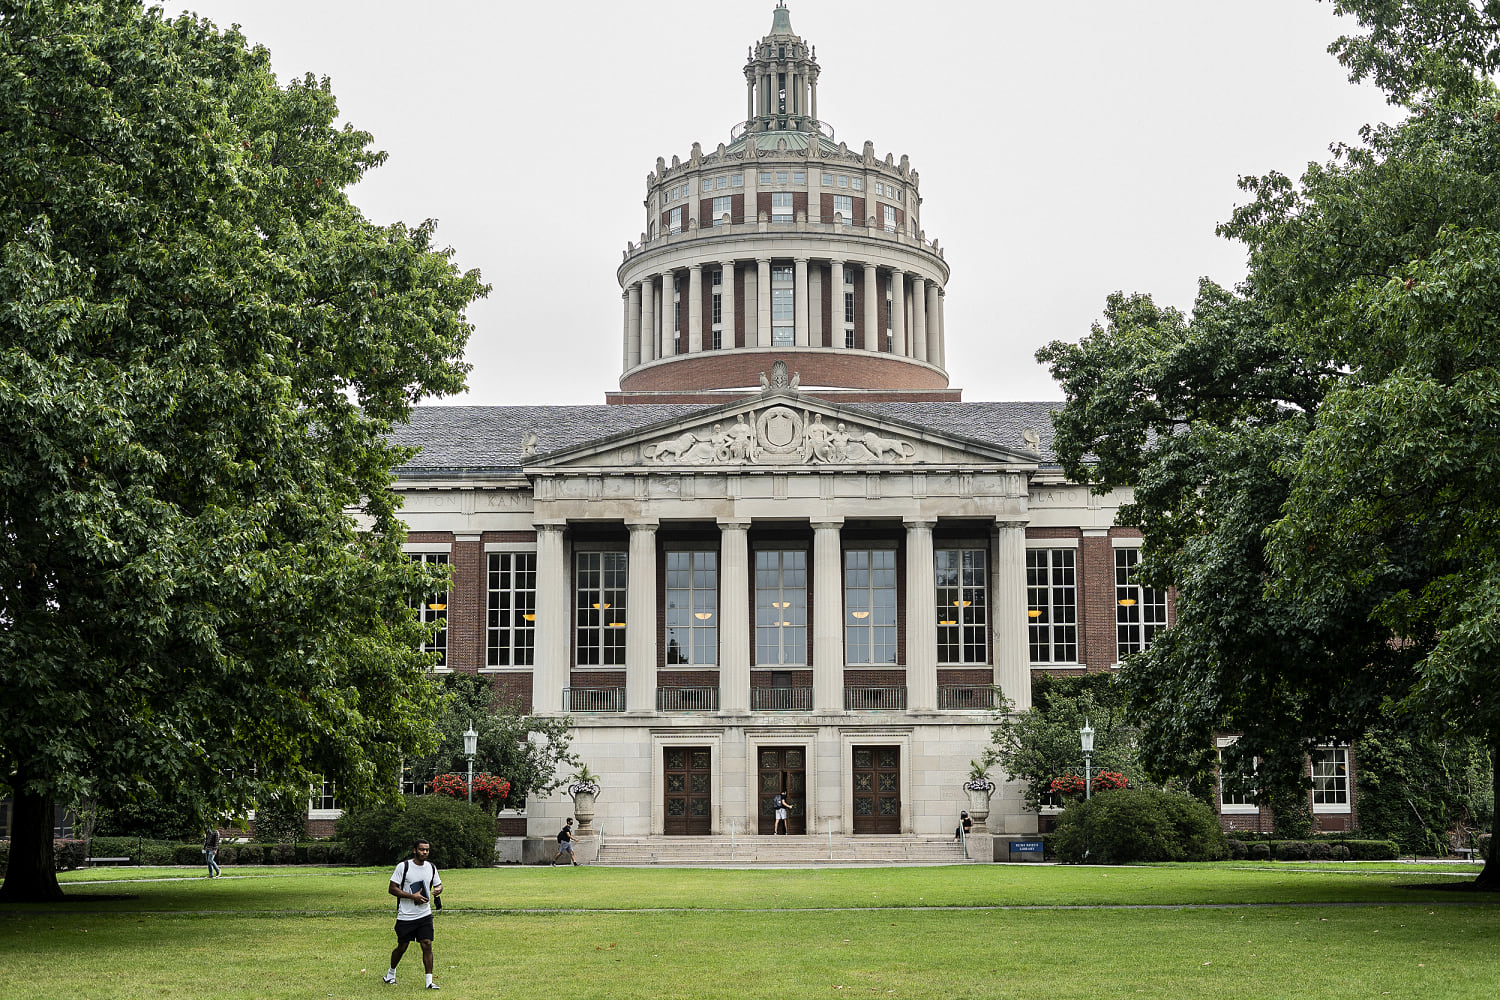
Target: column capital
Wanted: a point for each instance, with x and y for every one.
(762, 260)
(919, 523)
(1003, 523)
(549, 525)
(803, 259)
(643, 524)
(734, 523)
(696, 267)
(729, 264)
(836, 523)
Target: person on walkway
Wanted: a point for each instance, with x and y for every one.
(211, 851)
(565, 842)
(414, 883)
(965, 824)
(783, 806)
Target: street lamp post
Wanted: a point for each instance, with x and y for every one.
(471, 743)
(1086, 738)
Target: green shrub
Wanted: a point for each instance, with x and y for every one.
(281, 854)
(69, 854)
(251, 854)
(1237, 850)
(188, 854)
(1319, 850)
(157, 853)
(281, 819)
(1372, 850)
(115, 847)
(1260, 850)
(229, 854)
(1291, 850)
(462, 835)
(338, 853)
(316, 854)
(1139, 824)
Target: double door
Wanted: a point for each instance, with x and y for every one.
(876, 777)
(688, 790)
(782, 769)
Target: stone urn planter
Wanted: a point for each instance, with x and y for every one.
(979, 791)
(584, 792)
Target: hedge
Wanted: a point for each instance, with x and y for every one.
(1314, 850)
(1139, 824)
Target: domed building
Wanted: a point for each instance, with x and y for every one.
(784, 556)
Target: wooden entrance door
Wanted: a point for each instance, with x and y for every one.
(783, 769)
(688, 786)
(877, 789)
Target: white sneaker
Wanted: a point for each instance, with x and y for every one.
(433, 986)
(390, 977)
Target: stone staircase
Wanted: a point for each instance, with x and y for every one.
(811, 851)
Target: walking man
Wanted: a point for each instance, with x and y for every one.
(781, 804)
(211, 850)
(414, 883)
(565, 842)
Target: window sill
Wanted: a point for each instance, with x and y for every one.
(1335, 809)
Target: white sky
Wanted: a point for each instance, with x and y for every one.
(1065, 150)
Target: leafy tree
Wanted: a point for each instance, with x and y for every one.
(1421, 47)
(461, 835)
(1042, 742)
(527, 750)
(1312, 455)
(1139, 824)
(202, 347)
(1419, 790)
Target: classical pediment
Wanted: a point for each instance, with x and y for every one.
(782, 429)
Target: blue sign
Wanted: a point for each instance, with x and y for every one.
(1026, 847)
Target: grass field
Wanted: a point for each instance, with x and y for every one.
(1225, 930)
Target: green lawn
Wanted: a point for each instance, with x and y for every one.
(975, 931)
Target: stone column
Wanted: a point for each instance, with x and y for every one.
(734, 616)
(919, 317)
(828, 616)
(871, 339)
(695, 309)
(1012, 644)
(633, 326)
(625, 334)
(934, 326)
(749, 98)
(648, 319)
(800, 264)
(763, 307)
(640, 618)
(551, 673)
(726, 303)
(942, 324)
(815, 306)
(921, 618)
(668, 313)
(898, 312)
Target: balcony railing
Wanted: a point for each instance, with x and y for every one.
(687, 699)
(962, 696)
(593, 699)
(793, 699)
(874, 699)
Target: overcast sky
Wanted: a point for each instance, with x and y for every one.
(1065, 150)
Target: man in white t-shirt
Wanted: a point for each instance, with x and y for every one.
(414, 883)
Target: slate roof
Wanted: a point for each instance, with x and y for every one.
(489, 438)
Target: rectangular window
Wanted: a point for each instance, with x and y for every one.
(413, 783)
(683, 191)
(781, 206)
(692, 608)
(849, 320)
(1140, 612)
(1330, 778)
(961, 605)
(894, 193)
(879, 188)
(890, 218)
(511, 626)
(780, 607)
(870, 606)
(843, 205)
(1236, 788)
(434, 609)
(324, 796)
(718, 317)
(1052, 605)
(765, 176)
(857, 183)
(890, 311)
(722, 207)
(738, 180)
(721, 182)
(781, 177)
(599, 608)
(783, 307)
(843, 181)
(674, 220)
(799, 177)
(828, 180)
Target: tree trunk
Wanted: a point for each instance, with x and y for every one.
(1489, 875)
(31, 877)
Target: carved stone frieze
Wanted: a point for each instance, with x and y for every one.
(779, 434)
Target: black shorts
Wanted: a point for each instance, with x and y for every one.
(419, 929)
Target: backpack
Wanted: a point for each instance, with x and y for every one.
(433, 899)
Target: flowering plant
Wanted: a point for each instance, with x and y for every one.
(450, 784)
(1109, 779)
(979, 778)
(584, 781)
(489, 789)
(1067, 784)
